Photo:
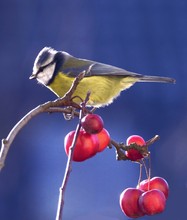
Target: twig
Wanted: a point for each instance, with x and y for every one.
(152, 140)
(46, 107)
(6, 143)
(120, 148)
(119, 153)
(66, 175)
(62, 110)
(69, 162)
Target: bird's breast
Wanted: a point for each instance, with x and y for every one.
(103, 88)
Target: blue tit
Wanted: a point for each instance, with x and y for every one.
(56, 70)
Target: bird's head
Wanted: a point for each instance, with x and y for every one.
(45, 65)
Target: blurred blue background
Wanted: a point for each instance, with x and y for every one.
(148, 37)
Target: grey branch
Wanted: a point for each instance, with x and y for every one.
(50, 106)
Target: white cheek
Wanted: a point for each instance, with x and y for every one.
(45, 76)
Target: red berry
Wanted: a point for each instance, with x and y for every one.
(135, 139)
(92, 123)
(104, 139)
(86, 146)
(134, 154)
(155, 183)
(152, 202)
(129, 202)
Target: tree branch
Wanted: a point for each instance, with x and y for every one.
(50, 106)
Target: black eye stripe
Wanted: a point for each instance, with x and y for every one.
(43, 67)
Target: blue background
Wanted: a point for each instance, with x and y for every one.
(143, 36)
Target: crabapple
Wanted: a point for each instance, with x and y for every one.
(103, 139)
(134, 154)
(86, 146)
(155, 183)
(152, 202)
(92, 123)
(129, 202)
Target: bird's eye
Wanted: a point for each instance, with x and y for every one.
(41, 69)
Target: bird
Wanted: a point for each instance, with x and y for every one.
(57, 70)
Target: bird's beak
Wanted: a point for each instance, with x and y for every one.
(33, 76)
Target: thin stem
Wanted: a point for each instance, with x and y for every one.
(149, 170)
(146, 170)
(6, 143)
(140, 174)
(67, 175)
(62, 110)
(69, 163)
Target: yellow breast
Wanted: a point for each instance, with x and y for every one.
(103, 88)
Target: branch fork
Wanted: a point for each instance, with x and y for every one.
(51, 106)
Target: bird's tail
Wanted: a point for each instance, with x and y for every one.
(159, 79)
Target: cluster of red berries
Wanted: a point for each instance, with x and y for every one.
(148, 198)
(150, 195)
(92, 138)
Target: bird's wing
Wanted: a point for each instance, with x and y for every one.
(73, 66)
